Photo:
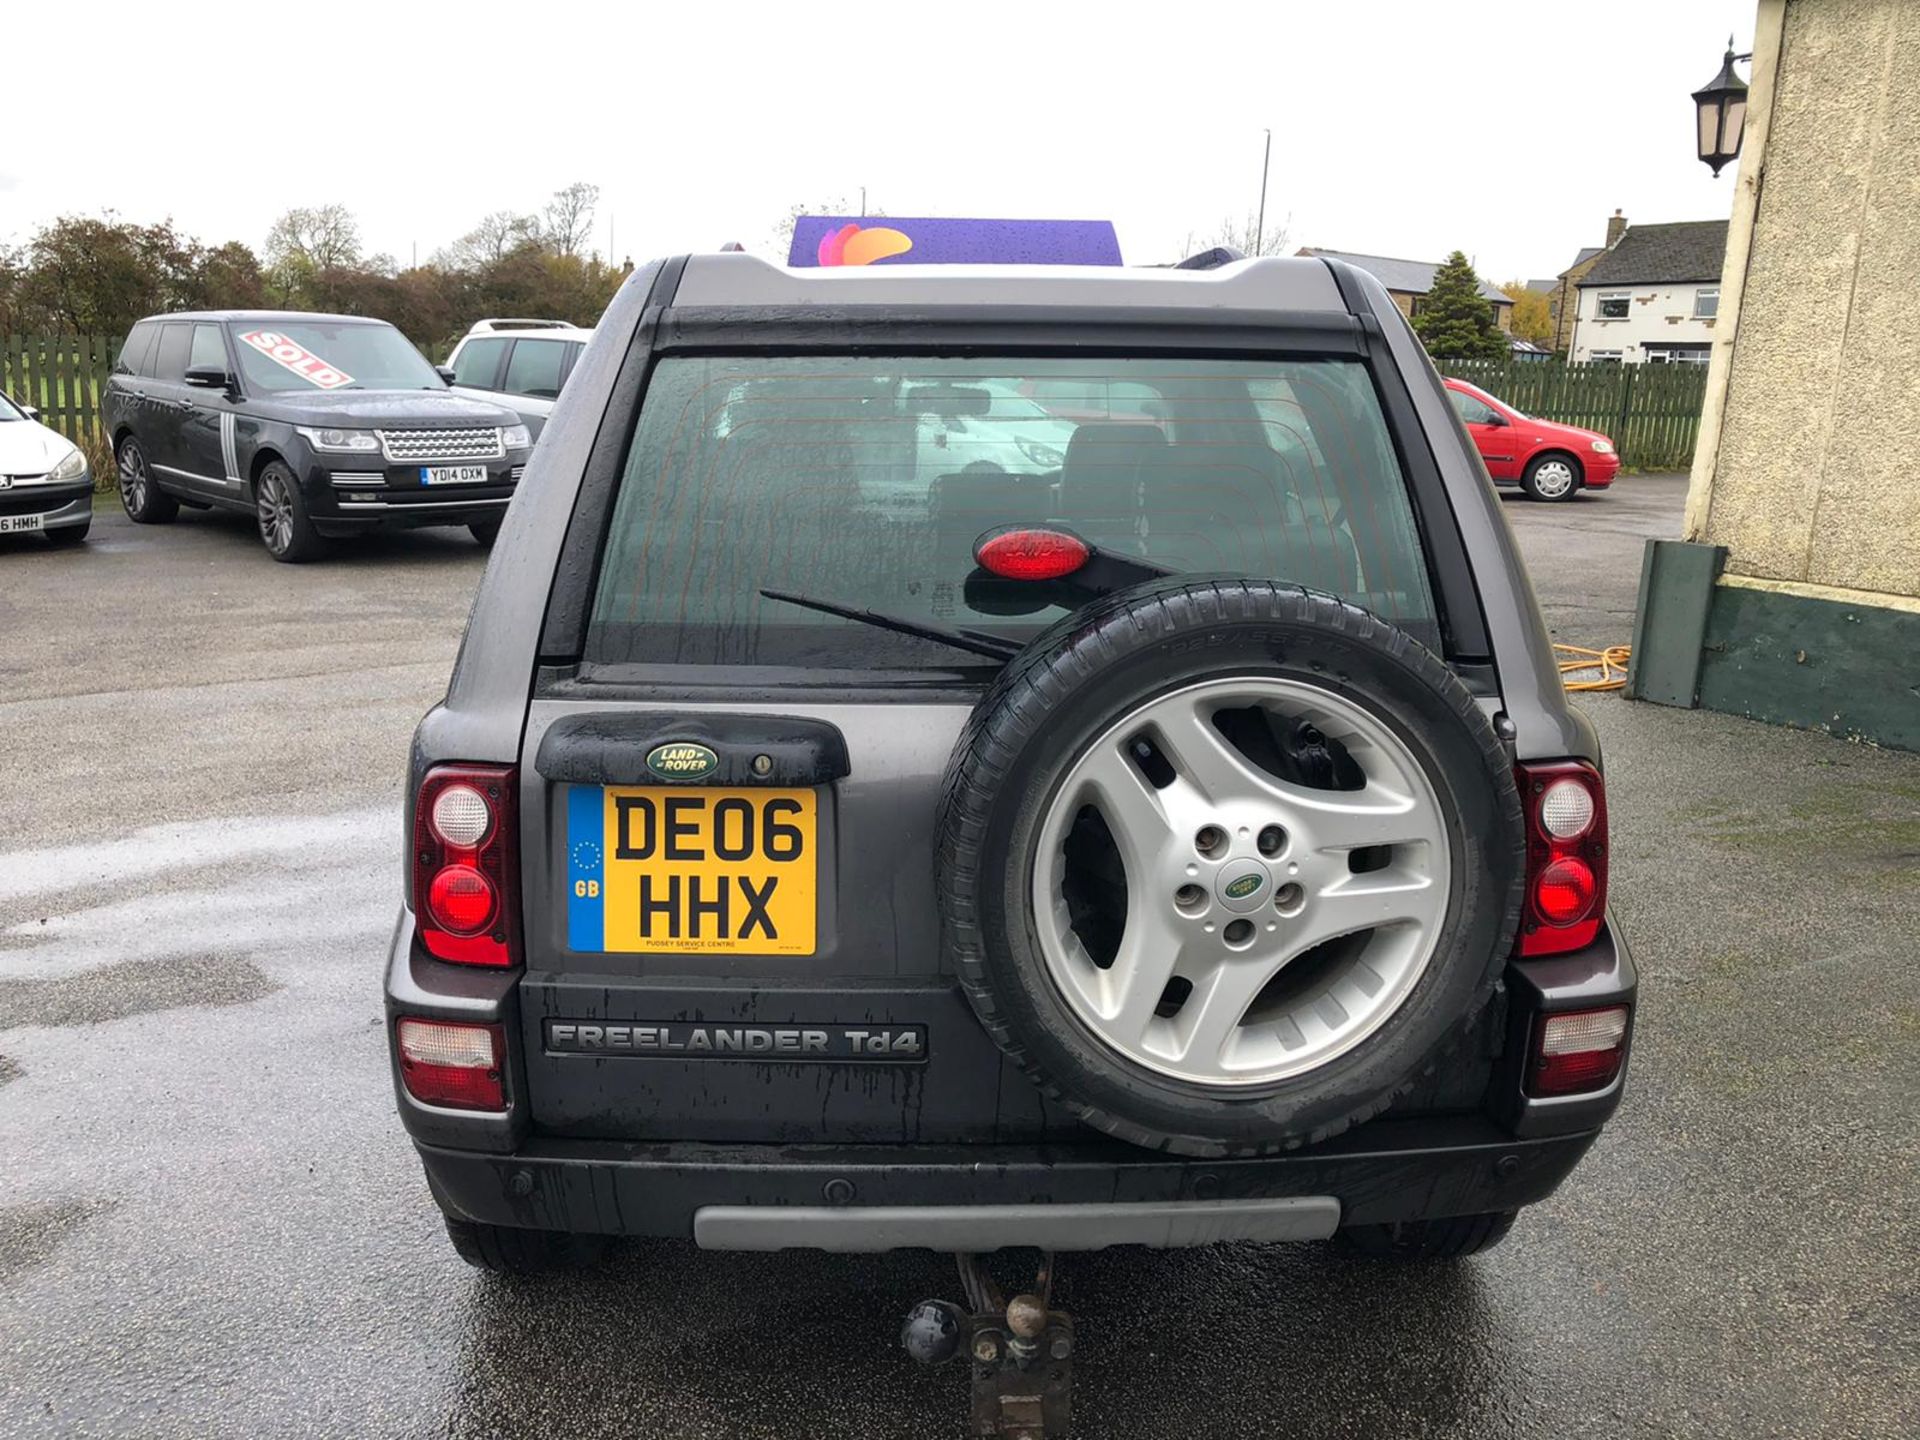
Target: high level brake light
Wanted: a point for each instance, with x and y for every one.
(465, 867)
(1031, 552)
(1566, 815)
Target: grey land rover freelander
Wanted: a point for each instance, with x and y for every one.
(983, 757)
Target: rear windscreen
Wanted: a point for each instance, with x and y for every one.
(865, 481)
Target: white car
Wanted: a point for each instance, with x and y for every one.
(522, 364)
(45, 485)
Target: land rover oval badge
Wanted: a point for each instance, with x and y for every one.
(682, 760)
(1241, 888)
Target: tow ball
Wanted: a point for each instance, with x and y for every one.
(1020, 1352)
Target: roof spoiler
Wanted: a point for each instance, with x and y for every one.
(1210, 259)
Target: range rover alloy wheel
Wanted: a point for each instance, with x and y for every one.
(284, 527)
(143, 501)
(1227, 865)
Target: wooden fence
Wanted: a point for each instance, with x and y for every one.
(1651, 412)
(61, 376)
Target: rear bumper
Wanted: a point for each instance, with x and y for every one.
(499, 1169)
(883, 1197)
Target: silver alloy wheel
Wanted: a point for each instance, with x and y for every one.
(1553, 480)
(276, 513)
(133, 478)
(1205, 905)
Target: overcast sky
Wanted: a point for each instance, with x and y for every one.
(1507, 128)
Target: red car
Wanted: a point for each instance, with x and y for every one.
(1548, 461)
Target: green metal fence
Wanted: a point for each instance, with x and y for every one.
(1651, 412)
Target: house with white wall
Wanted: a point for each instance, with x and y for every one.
(1654, 297)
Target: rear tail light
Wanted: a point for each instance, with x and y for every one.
(443, 1062)
(1566, 805)
(465, 865)
(1578, 1051)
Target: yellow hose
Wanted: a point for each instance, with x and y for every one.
(1610, 663)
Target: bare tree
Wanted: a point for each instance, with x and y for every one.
(1245, 236)
(568, 219)
(325, 237)
(491, 241)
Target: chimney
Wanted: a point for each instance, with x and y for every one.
(1616, 227)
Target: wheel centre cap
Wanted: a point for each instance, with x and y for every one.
(1243, 886)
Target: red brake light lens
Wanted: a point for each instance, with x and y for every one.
(1564, 891)
(1578, 1051)
(446, 1063)
(1031, 554)
(465, 867)
(460, 900)
(1566, 817)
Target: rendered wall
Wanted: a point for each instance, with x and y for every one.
(1814, 473)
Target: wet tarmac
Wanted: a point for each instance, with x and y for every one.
(212, 1224)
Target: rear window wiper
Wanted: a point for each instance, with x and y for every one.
(979, 642)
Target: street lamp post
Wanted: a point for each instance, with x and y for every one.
(1721, 113)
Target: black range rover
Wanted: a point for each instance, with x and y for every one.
(319, 425)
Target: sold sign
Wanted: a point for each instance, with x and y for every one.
(297, 358)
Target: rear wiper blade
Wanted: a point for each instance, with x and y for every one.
(979, 642)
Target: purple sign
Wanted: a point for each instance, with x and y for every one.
(878, 240)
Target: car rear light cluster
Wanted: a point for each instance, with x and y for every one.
(1577, 1051)
(1566, 812)
(443, 1062)
(465, 870)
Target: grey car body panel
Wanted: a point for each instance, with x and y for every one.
(866, 1229)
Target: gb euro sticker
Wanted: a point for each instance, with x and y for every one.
(297, 358)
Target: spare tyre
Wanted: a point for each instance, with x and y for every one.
(1227, 865)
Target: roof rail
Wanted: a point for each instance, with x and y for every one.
(483, 327)
(1210, 259)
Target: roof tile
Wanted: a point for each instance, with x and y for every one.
(1663, 254)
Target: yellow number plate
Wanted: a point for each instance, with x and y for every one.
(684, 870)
